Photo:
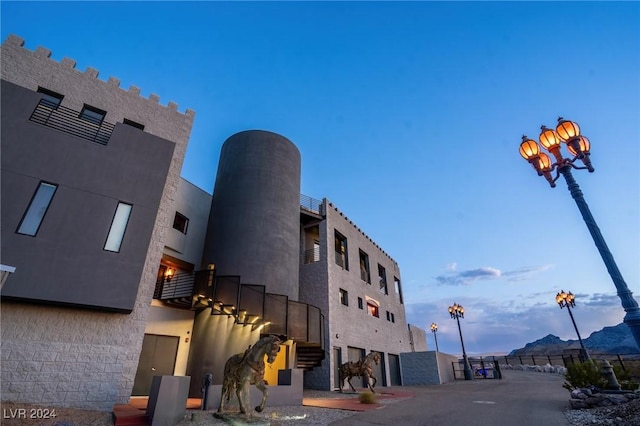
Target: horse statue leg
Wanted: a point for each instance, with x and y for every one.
(265, 394)
(349, 381)
(369, 377)
(225, 391)
(242, 391)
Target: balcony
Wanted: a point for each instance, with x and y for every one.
(67, 120)
(249, 305)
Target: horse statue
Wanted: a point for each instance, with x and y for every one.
(361, 368)
(245, 369)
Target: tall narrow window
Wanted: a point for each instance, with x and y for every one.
(37, 209)
(365, 274)
(51, 99)
(344, 297)
(118, 227)
(396, 282)
(382, 277)
(342, 256)
(360, 304)
(373, 307)
(373, 310)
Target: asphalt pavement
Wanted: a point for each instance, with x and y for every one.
(521, 398)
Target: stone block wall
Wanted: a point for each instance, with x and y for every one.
(59, 356)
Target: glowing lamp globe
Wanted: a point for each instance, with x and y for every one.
(579, 146)
(549, 139)
(529, 149)
(567, 129)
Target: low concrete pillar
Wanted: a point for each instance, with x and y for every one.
(168, 400)
(289, 391)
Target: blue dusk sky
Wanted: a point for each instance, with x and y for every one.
(408, 117)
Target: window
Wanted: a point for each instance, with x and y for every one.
(133, 124)
(373, 309)
(118, 227)
(393, 317)
(92, 114)
(342, 256)
(365, 274)
(360, 304)
(51, 99)
(38, 206)
(396, 283)
(344, 297)
(388, 316)
(180, 222)
(382, 277)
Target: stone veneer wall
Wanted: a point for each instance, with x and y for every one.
(314, 279)
(72, 357)
(348, 325)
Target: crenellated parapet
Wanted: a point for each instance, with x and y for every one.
(330, 204)
(33, 69)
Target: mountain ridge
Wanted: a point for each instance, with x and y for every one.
(610, 340)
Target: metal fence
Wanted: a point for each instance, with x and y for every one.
(310, 204)
(484, 367)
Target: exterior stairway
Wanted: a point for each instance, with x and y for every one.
(309, 356)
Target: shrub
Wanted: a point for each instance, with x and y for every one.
(583, 375)
(367, 398)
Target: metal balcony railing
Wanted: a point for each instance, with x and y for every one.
(176, 287)
(249, 304)
(67, 120)
(312, 255)
(310, 204)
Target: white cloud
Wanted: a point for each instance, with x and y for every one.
(486, 273)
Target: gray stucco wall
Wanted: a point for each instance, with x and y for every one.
(426, 368)
(194, 203)
(254, 224)
(65, 262)
(58, 356)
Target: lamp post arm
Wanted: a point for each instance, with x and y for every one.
(632, 318)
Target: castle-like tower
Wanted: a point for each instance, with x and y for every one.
(89, 171)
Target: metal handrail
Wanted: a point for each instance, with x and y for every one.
(183, 286)
(310, 204)
(68, 120)
(312, 255)
(179, 286)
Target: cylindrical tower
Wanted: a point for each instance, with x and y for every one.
(254, 223)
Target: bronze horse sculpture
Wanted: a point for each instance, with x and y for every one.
(361, 368)
(245, 369)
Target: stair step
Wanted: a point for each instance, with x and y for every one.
(125, 415)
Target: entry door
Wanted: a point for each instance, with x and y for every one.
(394, 370)
(355, 354)
(157, 358)
(380, 372)
(337, 362)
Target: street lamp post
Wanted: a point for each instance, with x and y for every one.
(568, 132)
(434, 330)
(456, 311)
(567, 300)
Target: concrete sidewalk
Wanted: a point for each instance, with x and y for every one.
(521, 398)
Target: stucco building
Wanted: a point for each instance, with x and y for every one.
(124, 270)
